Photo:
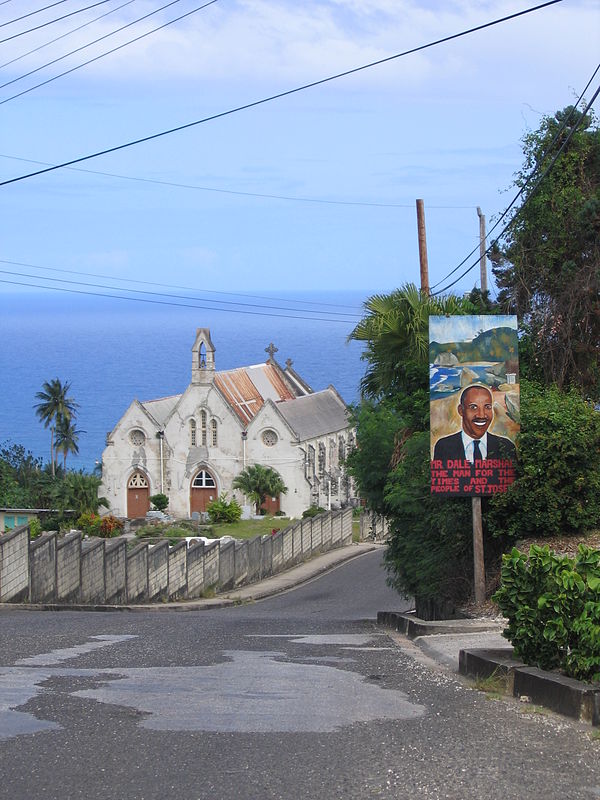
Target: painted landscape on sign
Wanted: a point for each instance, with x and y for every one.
(479, 353)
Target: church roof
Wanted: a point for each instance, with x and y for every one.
(315, 414)
(246, 389)
(160, 409)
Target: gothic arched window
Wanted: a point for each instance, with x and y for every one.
(203, 427)
(193, 432)
(213, 432)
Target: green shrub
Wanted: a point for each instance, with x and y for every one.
(223, 510)
(35, 528)
(159, 501)
(110, 526)
(89, 523)
(312, 511)
(557, 490)
(430, 550)
(552, 604)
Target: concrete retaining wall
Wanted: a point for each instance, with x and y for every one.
(14, 565)
(72, 571)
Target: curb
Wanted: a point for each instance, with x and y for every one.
(411, 626)
(567, 696)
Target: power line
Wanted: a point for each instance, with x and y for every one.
(167, 286)
(279, 95)
(64, 35)
(50, 22)
(291, 198)
(531, 193)
(177, 305)
(519, 193)
(32, 13)
(102, 55)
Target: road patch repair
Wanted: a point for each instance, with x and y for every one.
(477, 649)
(245, 691)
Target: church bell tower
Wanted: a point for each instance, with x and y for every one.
(203, 357)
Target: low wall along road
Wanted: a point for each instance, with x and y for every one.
(71, 570)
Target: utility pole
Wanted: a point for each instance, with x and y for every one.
(422, 247)
(482, 249)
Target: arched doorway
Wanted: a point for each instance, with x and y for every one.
(138, 496)
(203, 491)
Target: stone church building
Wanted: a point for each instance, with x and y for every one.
(191, 446)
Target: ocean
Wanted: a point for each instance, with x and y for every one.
(113, 351)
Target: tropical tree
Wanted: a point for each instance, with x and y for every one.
(258, 483)
(78, 492)
(547, 265)
(54, 404)
(395, 330)
(66, 438)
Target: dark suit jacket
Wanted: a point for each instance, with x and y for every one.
(451, 447)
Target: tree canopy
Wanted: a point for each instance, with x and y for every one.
(547, 264)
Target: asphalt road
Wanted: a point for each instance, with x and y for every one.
(298, 696)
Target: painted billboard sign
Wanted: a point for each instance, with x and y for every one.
(474, 404)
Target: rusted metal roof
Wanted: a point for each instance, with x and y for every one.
(246, 389)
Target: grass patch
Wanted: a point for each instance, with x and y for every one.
(247, 528)
(494, 684)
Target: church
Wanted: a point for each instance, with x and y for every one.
(191, 446)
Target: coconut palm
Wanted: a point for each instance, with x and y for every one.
(396, 332)
(258, 482)
(66, 438)
(54, 404)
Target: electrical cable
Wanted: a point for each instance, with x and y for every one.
(169, 286)
(107, 53)
(177, 305)
(95, 41)
(33, 13)
(531, 193)
(165, 294)
(526, 183)
(295, 199)
(64, 35)
(50, 22)
(278, 96)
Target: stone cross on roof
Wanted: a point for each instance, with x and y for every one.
(271, 350)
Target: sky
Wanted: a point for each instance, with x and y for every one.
(312, 191)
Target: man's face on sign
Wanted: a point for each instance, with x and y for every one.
(476, 411)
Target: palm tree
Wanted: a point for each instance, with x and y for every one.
(396, 332)
(79, 493)
(54, 404)
(258, 482)
(66, 438)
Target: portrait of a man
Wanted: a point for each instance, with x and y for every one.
(474, 442)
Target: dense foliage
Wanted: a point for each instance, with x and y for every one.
(430, 546)
(557, 490)
(548, 263)
(552, 604)
(26, 482)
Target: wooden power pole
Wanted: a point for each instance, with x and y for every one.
(422, 247)
(482, 249)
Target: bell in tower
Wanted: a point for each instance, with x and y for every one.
(203, 357)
